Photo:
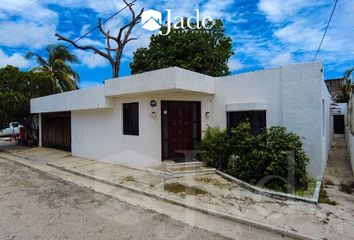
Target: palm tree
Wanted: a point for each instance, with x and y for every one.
(346, 86)
(55, 64)
(348, 75)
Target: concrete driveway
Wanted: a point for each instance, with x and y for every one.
(5, 144)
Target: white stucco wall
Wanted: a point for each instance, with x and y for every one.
(292, 97)
(349, 131)
(88, 98)
(261, 88)
(98, 134)
(160, 80)
(350, 145)
(306, 111)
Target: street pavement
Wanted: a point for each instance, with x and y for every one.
(34, 205)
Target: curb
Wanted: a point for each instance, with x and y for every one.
(262, 226)
(247, 222)
(274, 194)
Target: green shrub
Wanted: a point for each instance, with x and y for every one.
(275, 158)
(241, 163)
(283, 155)
(216, 145)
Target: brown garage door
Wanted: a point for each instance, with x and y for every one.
(56, 130)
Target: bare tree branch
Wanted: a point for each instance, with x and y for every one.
(108, 48)
(106, 34)
(88, 47)
(122, 39)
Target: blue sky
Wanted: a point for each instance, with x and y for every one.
(265, 33)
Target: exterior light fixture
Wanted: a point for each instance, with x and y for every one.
(153, 103)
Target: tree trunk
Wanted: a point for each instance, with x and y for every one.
(116, 65)
(115, 71)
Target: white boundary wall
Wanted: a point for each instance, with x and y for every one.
(349, 133)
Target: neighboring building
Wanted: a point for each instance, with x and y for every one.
(339, 113)
(334, 86)
(143, 119)
(338, 109)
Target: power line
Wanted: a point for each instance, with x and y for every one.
(93, 29)
(103, 22)
(84, 35)
(24, 6)
(325, 32)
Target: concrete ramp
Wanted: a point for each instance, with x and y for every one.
(43, 155)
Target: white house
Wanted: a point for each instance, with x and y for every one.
(143, 119)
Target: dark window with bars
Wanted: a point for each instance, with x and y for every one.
(131, 118)
(257, 119)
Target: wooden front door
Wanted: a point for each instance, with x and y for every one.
(181, 128)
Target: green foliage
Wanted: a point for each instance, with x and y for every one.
(346, 86)
(324, 197)
(242, 163)
(275, 158)
(216, 145)
(16, 90)
(55, 65)
(311, 187)
(200, 50)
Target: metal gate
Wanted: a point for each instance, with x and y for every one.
(56, 130)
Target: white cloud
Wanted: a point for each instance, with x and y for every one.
(235, 64)
(84, 29)
(103, 8)
(34, 25)
(143, 41)
(300, 35)
(241, 20)
(113, 25)
(298, 27)
(294, 29)
(281, 59)
(217, 9)
(95, 43)
(26, 34)
(278, 10)
(30, 10)
(15, 59)
(90, 59)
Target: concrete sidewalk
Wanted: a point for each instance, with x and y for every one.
(339, 178)
(211, 194)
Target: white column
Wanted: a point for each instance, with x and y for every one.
(40, 129)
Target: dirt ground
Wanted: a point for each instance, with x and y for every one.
(34, 205)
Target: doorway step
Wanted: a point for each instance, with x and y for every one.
(184, 169)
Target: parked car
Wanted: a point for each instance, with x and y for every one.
(12, 128)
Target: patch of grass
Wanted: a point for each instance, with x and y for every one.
(324, 198)
(128, 179)
(215, 182)
(346, 188)
(328, 182)
(183, 189)
(309, 191)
